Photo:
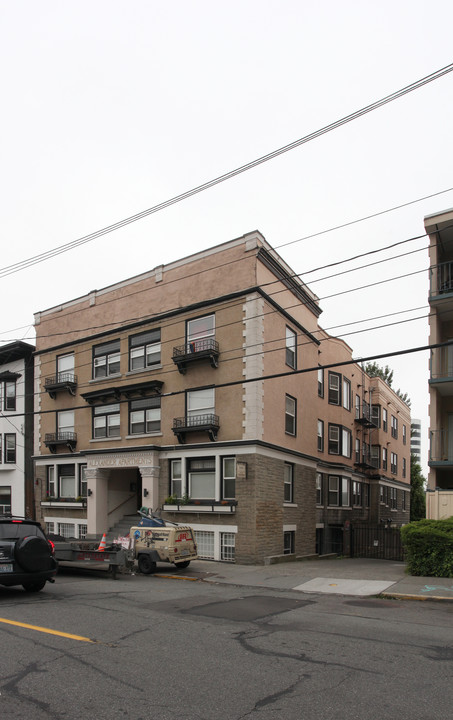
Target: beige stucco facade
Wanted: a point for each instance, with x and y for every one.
(193, 388)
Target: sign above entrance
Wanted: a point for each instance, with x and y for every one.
(132, 459)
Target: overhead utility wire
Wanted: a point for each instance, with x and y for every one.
(16, 267)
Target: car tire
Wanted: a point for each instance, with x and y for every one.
(146, 565)
(183, 564)
(34, 586)
(33, 554)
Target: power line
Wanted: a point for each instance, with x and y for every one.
(16, 267)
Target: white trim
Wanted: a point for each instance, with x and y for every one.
(289, 528)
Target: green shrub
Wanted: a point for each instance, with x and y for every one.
(429, 547)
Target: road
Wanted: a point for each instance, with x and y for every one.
(144, 647)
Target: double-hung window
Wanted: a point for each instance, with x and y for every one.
(394, 426)
(393, 463)
(384, 419)
(346, 394)
(290, 415)
(67, 481)
(339, 441)
(65, 368)
(10, 447)
(356, 493)
(144, 350)
(320, 435)
(384, 458)
(321, 382)
(176, 478)
(200, 406)
(404, 467)
(346, 442)
(291, 358)
(229, 478)
(357, 451)
(376, 415)
(334, 388)
(65, 422)
(200, 333)
(106, 359)
(201, 474)
(288, 482)
(334, 490)
(10, 395)
(144, 416)
(106, 421)
(404, 435)
(319, 493)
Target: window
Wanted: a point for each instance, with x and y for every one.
(366, 495)
(290, 415)
(65, 367)
(393, 463)
(67, 481)
(345, 492)
(227, 546)
(144, 416)
(10, 447)
(291, 348)
(357, 407)
(394, 426)
(356, 493)
(357, 450)
(404, 467)
(404, 435)
(334, 388)
(334, 490)
(319, 493)
(334, 439)
(200, 402)
(375, 456)
(83, 481)
(393, 498)
(66, 530)
(384, 419)
(346, 443)
(288, 482)
(106, 359)
(200, 331)
(201, 473)
(65, 421)
(321, 382)
(106, 421)
(205, 544)
(51, 484)
(320, 435)
(229, 478)
(346, 394)
(10, 395)
(403, 500)
(376, 415)
(144, 350)
(176, 478)
(339, 441)
(288, 542)
(384, 458)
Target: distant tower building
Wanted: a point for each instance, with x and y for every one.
(416, 431)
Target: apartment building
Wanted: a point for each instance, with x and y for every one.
(439, 498)
(16, 428)
(199, 388)
(416, 439)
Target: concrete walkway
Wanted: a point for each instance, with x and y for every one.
(341, 576)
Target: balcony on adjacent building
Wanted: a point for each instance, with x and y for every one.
(203, 349)
(207, 422)
(440, 448)
(60, 439)
(441, 370)
(62, 381)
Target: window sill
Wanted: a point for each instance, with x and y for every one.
(62, 503)
(290, 504)
(144, 435)
(137, 371)
(108, 378)
(204, 506)
(106, 439)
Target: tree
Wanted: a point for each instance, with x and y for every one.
(375, 370)
(418, 500)
(404, 397)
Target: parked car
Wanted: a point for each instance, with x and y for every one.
(26, 555)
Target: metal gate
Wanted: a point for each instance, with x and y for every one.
(376, 541)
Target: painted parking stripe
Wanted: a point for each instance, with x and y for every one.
(46, 630)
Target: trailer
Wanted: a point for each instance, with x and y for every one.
(114, 558)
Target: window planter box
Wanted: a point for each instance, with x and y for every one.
(209, 506)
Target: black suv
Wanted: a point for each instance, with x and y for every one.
(26, 555)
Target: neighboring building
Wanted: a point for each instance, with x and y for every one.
(416, 439)
(16, 429)
(439, 499)
(183, 389)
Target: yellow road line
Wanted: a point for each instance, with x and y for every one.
(46, 630)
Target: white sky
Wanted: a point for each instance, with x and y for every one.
(109, 108)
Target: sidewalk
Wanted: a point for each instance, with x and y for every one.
(342, 576)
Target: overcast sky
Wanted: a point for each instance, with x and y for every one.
(109, 108)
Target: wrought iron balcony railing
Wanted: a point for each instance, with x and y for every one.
(61, 381)
(54, 440)
(204, 348)
(207, 422)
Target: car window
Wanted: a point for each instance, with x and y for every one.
(15, 531)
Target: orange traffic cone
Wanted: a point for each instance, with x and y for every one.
(101, 547)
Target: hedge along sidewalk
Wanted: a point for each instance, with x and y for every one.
(429, 547)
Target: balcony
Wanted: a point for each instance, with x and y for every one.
(440, 448)
(367, 462)
(441, 370)
(62, 381)
(195, 424)
(206, 348)
(60, 439)
(441, 285)
(364, 415)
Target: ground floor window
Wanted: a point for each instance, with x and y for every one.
(66, 529)
(205, 544)
(227, 545)
(288, 542)
(5, 499)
